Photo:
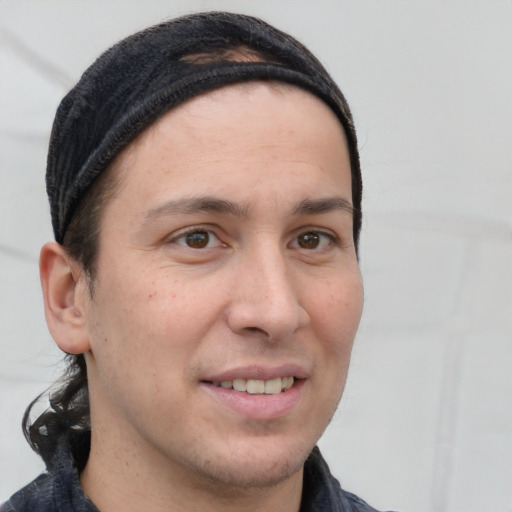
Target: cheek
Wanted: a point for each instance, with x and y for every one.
(335, 312)
(153, 315)
(336, 307)
(138, 343)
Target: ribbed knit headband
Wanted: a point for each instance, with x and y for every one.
(145, 75)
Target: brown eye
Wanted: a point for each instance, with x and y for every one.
(197, 239)
(310, 240)
(314, 241)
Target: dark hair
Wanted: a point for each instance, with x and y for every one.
(69, 413)
(78, 195)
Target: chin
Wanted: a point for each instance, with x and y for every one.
(263, 468)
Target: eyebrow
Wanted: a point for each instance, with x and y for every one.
(195, 205)
(224, 206)
(324, 205)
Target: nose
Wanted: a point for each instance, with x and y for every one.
(265, 298)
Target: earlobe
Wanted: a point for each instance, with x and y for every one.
(64, 288)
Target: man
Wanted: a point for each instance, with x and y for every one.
(205, 191)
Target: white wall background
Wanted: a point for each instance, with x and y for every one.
(426, 420)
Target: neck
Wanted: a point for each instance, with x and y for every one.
(119, 479)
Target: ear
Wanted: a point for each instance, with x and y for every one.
(64, 291)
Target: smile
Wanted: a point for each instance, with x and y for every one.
(257, 387)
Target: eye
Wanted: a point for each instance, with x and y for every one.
(198, 239)
(313, 240)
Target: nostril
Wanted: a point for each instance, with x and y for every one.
(258, 330)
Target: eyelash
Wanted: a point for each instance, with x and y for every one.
(188, 231)
(332, 238)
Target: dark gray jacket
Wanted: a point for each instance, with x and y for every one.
(59, 490)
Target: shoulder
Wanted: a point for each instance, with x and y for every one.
(58, 489)
(357, 504)
(50, 492)
(322, 492)
(37, 496)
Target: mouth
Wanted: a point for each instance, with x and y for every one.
(256, 386)
(259, 393)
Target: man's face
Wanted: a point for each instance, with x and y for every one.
(226, 259)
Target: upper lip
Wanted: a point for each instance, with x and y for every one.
(257, 372)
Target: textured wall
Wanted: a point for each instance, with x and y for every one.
(426, 420)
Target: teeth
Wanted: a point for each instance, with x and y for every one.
(286, 383)
(255, 386)
(274, 386)
(258, 387)
(240, 385)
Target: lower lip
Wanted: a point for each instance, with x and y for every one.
(259, 407)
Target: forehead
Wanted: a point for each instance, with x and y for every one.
(232, 127)
(235, 104)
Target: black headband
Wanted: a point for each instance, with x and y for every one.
(142, 77)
